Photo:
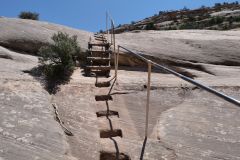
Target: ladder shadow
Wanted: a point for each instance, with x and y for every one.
(143, 148)
(117, 154)
(111, 128)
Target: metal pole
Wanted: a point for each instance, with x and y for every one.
(116, 65)
(113, 37)
(111, 34)
(107, 24)
(148, 96)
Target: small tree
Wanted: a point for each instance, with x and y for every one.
(29, 15)
(58, 58)
(133, 22)
(119, 26)
(150, 26)
(217, 5)
(185, 9)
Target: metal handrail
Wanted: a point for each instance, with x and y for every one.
(209, 89)
(109, 17)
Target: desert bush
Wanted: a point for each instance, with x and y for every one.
(58, 59)
(215, 20)
(232, 19)
(185, 9)
(189, 25)
(217, 5)
(133, 22)
(171, 28)
(29, 15)
(237, 19)
(150, 26)
(191, 18)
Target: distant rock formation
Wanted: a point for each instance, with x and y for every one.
(224, 16)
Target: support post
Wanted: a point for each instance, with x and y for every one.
(148, 96)
(115, 63)
(113, 32)
(107, 25)
(116, 68)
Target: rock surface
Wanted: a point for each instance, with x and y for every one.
(27, 129)
(185, 122)
(195, 46)
(29, 35)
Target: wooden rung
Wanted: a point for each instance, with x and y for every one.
(103, 98)
(99, 44)
(98, 59)
(102, 68)
(103, 84)
(110, 133)
(107, 113)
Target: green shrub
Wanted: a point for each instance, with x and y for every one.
(217, 5)
(119, 26)
(216, 20)
(189, 25)
(237, 19)
(150, 26)
(191, 18)
(185, 9)
(58, 59)
(29, 15)
(171, 28)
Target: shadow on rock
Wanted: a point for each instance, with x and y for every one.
(51, 78)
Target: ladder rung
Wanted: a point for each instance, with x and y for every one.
(98, 59)
(99, 44)
(103, 98)
(102, 68)
(103, 84)
(107, 113)
(110, 133)
(100, 51)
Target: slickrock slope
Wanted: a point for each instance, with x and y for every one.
(28, 129)
(27, 126)
(29, 35)
(188, 46)
(185, 122)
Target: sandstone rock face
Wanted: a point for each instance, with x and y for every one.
(181, 50)
(190, 46)
(29, 35)
(184, 123)
(27, 129)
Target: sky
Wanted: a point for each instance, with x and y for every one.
(90, 14)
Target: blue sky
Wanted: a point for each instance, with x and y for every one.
(90, 14)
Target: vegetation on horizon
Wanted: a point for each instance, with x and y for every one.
(29, 15)
(201, 18)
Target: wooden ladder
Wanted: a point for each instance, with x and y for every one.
(98, 58)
